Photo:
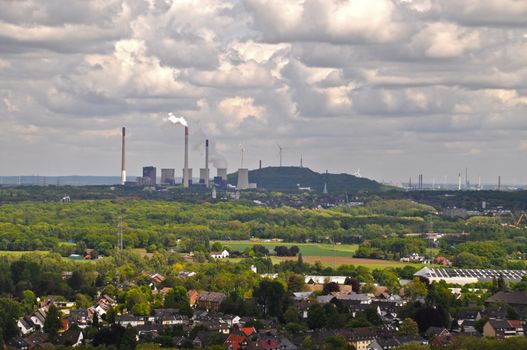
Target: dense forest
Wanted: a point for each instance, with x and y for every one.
(43, 226)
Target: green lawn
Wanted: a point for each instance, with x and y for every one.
(307, 249)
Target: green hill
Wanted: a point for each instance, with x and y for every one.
(287, 179)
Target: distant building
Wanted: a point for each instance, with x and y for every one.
(466, 276)
(168, 176)
(503, 328)
(149, 176)
(210, 300)
(515, 300)
(220, 255)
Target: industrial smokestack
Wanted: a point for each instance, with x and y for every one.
(123, 157)
(204, 174)
(206, 154)
(186, 171)
(459, 182)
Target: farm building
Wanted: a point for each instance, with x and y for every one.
(466, 276)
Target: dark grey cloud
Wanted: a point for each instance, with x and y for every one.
(393, 87)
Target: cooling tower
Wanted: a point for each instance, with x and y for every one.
(243, 179)
(222, 172)
(204, 176)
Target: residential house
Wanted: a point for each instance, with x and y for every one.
(169, 317)
(361, 337)
(157, 278)
(503, 328)
(129, 320)
(441, 260)
(71, 338)
(192, 296)
(26, 325)
(515, 300)
(38, 318)
(220, 255)
(186, 274)
(433, 332)
(210, 300)
(89, 254)
(79, 318)
(387, 343)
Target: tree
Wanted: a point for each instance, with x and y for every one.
(372, 316)
(53, 322)
(216, 247)
(270, 294)
(95, 320)
(316, 317)
(355, 285)
(295, 283)
(128, 339)
(408, 328)
(416, 288)
(331, 287)
(10, 312)
(291, 315)
(29, 301)
(300, 263)
(294, 250)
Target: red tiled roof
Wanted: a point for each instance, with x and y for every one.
(235, 340)
(248, 331)
(268, 344)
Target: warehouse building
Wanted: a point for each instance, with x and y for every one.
(466, 276)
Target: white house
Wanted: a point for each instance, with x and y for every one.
(129, 320)
(25, 325)
(38, 318)
(220, 255)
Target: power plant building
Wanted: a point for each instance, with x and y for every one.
(149, 176)
(168, 176)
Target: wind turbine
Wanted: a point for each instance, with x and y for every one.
(357, 173)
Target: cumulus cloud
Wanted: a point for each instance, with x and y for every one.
(389, 86)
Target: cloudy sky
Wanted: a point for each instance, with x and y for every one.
(393, 87)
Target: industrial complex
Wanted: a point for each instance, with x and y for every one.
(168, 177)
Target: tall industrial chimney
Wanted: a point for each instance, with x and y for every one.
(204, 174)
(123, 158)
(186, 170)
(206, 154)
(459, 182)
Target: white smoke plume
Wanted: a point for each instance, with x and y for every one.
(198, 138)
(177, 120)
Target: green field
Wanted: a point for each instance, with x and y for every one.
(307, 249)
